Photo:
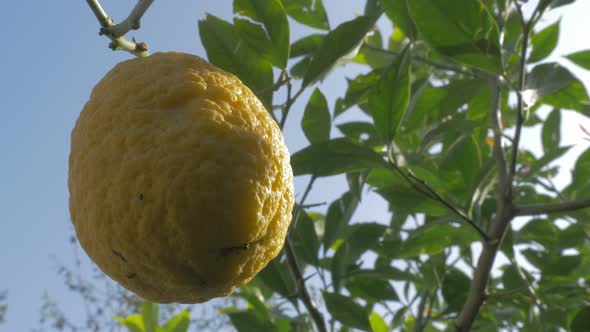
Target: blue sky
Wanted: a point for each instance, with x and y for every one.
(52, 57)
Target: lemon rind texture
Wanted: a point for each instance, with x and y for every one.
(180, 183)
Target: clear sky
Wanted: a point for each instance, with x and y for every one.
(51, 57)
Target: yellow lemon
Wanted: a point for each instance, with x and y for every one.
(180, 183)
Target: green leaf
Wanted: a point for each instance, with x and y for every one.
(309, 12)
(377, 323)
(388, 102)
(369, 55)
(134, 323)
(552, 84)
(306, 45)
(455, 289)
(316, 118)
(274, 18)
(463, 30)
(339, 45)
(551, 133)
(372, 291)
(383, 273)
(248, 321)
(436, 133)
(305, 239)
(581, 58)
(277, 277)
(149, 314)
(581, 321)
(541, 231)
(582, 167)
(179, 323)
(347, 311)
(227, 50)
(464, 156)
(398, 12)
(571, 237)
(335, 157)
(338, 216)
(359, 239)
(256, 37)
(544, 42)
(358, 91)
(360, 132)
(434, 238)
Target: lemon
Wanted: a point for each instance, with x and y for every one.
(180, 184)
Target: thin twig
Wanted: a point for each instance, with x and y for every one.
(117, 42)
(290, 101)
(536, 209)
(434, 64)
(309, 303)
(132, 22)
(431, 193)
(299, 206)
(526, 28)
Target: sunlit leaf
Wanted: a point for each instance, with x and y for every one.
(377, 323)
(226, 49)
(309, 12)
(274, 18)
(338, 45)
(551, 133)
(316, 120)
(397, 11)
(432, 239)
(463, 30)
(581, 58)
(389, 101)
(178, 323)
(544, 42)
(335, 157)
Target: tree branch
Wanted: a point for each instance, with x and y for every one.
(132, 22)
(526, 28)
(504, 214)
(118, 43)
(312, 308)
(535, 209)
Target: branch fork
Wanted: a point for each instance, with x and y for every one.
(115, 32)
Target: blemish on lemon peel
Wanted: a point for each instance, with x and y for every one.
(180, 183)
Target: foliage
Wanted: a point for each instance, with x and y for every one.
(447, 96)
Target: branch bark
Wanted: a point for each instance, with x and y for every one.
(504, 214)
(535, 209)
(132, 22)
(118, 43)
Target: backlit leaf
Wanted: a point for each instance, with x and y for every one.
(335, 157)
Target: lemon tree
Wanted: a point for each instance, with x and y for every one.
(174, 168)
